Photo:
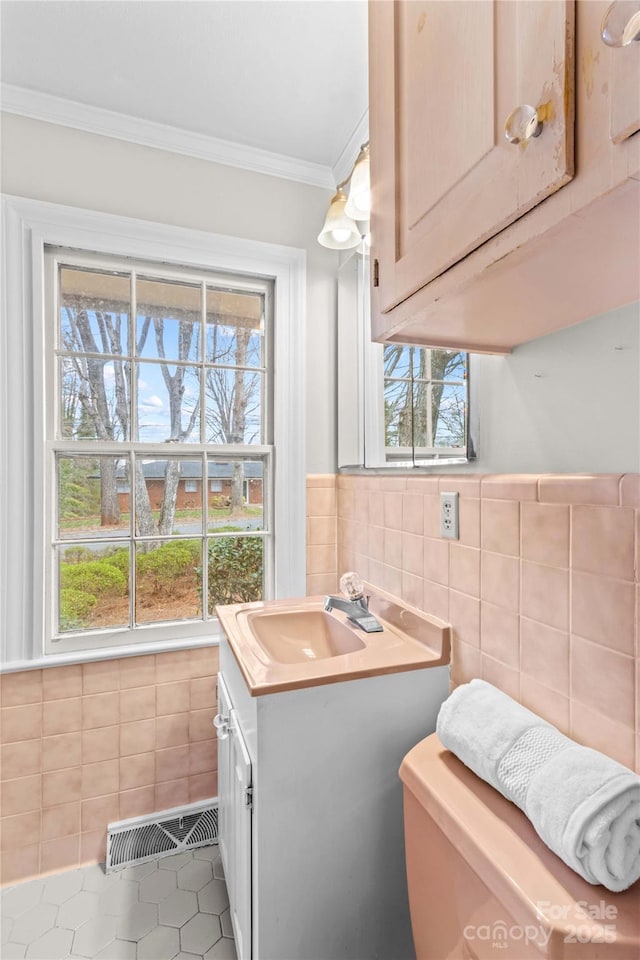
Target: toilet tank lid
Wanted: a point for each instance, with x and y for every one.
(501, 846)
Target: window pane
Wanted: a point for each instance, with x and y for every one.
(94, 398)
(93, 497)
(168, 320)
(168, 580)
(235, 329)
(94, 312)
(448, 364)
(398, 360)
(398, 413)
(236, 568)
(164, 506)
(449, 415)
(234, 406)
(93, 586)
(235, 496)
(168, 403)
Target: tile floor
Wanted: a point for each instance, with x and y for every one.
(175, 907)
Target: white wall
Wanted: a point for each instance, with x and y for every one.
(566, 403)
(49, 162)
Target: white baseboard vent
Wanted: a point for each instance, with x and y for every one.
(140, 839)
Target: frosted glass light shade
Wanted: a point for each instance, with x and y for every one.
(359, 202)
(339, 231)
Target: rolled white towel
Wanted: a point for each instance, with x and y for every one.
(584, 805)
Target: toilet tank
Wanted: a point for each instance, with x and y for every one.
(483, 885)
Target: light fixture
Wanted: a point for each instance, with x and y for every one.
(340, 230)
(359, 202)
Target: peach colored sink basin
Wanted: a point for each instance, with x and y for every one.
(288, 644)
(295, 636)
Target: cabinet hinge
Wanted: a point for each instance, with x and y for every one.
(376, 273)
(248, 797)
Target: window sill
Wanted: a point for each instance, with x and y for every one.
(111, 653)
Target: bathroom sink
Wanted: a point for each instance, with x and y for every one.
(292, 643)
(295, 636)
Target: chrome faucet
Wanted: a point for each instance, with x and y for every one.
(356, 606)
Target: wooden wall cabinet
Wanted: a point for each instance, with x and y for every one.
(480, 242)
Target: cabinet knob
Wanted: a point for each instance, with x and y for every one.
(222, 726)
(522, 124)
(621, 23)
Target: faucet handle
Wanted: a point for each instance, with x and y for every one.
(351, 586)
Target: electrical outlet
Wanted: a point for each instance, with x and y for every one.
(449, 516)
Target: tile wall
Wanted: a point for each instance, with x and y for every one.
(322, 534)
(84, 745)
(542, 589)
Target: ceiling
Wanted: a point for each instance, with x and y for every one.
(285, 76)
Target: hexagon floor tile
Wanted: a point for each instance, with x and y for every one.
(146, 911)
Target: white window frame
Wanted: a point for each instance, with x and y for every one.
(28, 227)
(191, 485)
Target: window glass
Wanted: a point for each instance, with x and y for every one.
(425, 401)
(145, 535)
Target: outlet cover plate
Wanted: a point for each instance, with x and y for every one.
(449, 516)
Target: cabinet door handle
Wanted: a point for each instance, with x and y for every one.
(522, 124)
(222, 726)
(621, 23)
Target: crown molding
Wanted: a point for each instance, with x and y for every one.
(109, 123)
(344, 164)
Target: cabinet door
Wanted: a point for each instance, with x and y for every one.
(625, 85)
(239, 882)
(444, 77)
(224, 777)
(234, 820)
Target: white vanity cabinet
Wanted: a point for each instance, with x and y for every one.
(323, 839)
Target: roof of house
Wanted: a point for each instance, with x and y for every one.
(192, 469)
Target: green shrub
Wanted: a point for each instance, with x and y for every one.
(118, 557)
(98, 578)
(235, 570)
(75, 607)
(162, 567)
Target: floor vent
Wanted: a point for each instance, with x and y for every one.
(145, 838)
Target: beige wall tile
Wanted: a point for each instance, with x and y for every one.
(580, 488)
(545, 594)
(20, 688)
(102, 676)
(137, 671)
(603, 680)
(62, 683)
(544, 655)
(61, 786)
(103, 743)
(137, 703)
(545, 533)
(500, 580)
(100, 710)
(138, 802)
(20, 759)
(21, 723)
(60, 854)
(500, 526)
(99, 779)
(603, 610)
(464, 569)
(172, 793)
(62, 820)
(21, 795)
(137, 771)
(137, 737)
(499, 634)
(603, 540)
(61, 716)
(64, 750)
(172, 697)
